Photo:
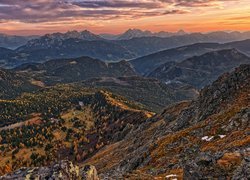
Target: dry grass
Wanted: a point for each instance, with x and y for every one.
(229, 161)
(86, 115)
(106, 158)
(37, 83)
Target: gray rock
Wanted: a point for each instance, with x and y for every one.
(242, 172)
(89, 172)
(204, 159)
(189, 174)
(64, 170)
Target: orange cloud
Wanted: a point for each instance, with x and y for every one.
(28, 16)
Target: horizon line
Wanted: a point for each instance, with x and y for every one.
(114, 34)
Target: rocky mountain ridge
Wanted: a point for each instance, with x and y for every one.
(206, 138)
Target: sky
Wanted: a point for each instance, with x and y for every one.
(36, 17)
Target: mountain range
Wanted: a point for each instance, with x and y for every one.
(74, 44)
(136, 33)
(181, 77)
(147, 64)
(15, 41)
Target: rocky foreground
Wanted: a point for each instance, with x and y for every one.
(65, 170)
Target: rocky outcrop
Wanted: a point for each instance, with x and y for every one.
(89, 172)
(203, 139)
(223, 91)
(216, 97)
(64, 170)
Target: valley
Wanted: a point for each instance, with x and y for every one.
(85, 120)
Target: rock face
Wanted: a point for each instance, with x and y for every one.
(216, 97)
(64, 170)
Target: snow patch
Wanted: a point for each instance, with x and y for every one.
(207, 138)
(222, 136)
(171, 176)
(168, 82)
(73, 62)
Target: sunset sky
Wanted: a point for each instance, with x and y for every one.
(26, 17)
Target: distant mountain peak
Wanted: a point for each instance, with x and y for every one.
(181, 32)
(87, 35)
(55, 39)
(83, 35)
(135, 33)
(133, 30)
(87, 32)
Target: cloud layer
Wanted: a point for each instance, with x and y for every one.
(30, 11)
